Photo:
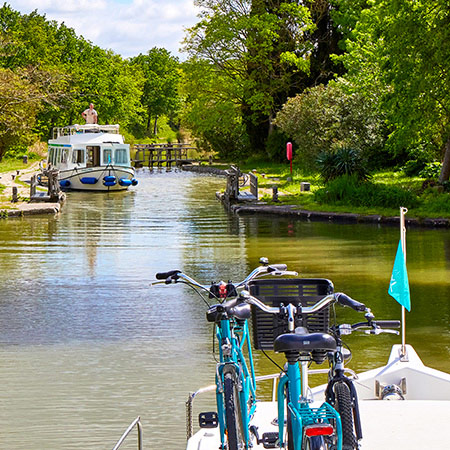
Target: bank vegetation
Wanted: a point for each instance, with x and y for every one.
(360, 87)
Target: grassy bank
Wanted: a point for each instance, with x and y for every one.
(382, 195)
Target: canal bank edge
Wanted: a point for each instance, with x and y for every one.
(21, 209)
(31, 209)
(292, 211)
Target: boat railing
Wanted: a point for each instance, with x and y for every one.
(136, 423)
(274, 377)
(87, 128)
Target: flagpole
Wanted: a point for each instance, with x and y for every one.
(403, 211)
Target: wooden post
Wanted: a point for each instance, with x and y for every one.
(254, 185)
(33, 186)
(15, 197)
(275, 193)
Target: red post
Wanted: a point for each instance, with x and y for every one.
(289, 153)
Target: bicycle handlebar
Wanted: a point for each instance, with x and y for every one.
(345, 300)
(322, 303)
(174, 276)
(165, 275)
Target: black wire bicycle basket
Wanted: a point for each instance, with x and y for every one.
(273, 292)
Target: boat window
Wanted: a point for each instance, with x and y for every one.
(58, 155)
(64, 154)
(51, 156)
(78, 156)
(121, 156)
(107, 156)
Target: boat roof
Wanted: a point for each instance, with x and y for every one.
(86, 134)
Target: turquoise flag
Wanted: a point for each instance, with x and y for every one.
(399, 285)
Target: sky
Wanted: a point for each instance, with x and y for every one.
(128, 27)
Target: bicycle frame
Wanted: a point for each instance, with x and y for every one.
(301, 412)
(232, 338)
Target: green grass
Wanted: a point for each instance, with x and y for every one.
(431, 203)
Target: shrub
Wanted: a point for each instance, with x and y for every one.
(437, 202)
(344, 161)
(349, 190)
(324, 117)
(431, 170)
(413, 167)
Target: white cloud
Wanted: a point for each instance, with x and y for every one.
(128, 27)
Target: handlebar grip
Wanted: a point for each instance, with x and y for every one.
(345, 300)
(387, 323)
(165, 275)
(275, 267)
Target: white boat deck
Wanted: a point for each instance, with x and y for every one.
(418, 423)
(408, 424)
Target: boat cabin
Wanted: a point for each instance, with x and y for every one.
(88, 146)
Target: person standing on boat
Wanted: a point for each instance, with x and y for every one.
(90, 114)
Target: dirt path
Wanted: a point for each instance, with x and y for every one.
(22, 180)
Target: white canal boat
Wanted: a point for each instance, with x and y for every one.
(91, 157)
(403, 405)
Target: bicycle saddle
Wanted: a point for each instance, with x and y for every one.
(304, 342)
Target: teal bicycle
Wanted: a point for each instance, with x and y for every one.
(296, 324)
(235, 375)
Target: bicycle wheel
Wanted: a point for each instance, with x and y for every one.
(344, 407)
(234, 428)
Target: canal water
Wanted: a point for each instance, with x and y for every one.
(86, 345)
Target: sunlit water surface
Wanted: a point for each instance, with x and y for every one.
(86, 345)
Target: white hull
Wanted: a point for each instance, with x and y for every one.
(417, 423)
(95, 177)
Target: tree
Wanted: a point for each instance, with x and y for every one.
(80, 72)
(400, 49)
(161, 74)
(257, 45)
(208, 111)
(23, 93)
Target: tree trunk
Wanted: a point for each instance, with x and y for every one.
(155, 127)
(149, 118)
(445, 171)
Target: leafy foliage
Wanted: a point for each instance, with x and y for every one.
(258, 47)
(50, 75)
(327, 117)
(431, 170)
(160, 95)
(399, 50)
(213, 118)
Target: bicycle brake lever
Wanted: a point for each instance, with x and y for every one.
(377, 331)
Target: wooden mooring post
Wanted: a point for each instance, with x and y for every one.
(235, 180)
(158, 155)
(53, 193)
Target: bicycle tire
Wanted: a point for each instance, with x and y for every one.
(234, 428)
(343, 406)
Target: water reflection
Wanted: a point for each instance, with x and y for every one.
(86, 345)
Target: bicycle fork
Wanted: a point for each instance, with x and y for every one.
(338, 375)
